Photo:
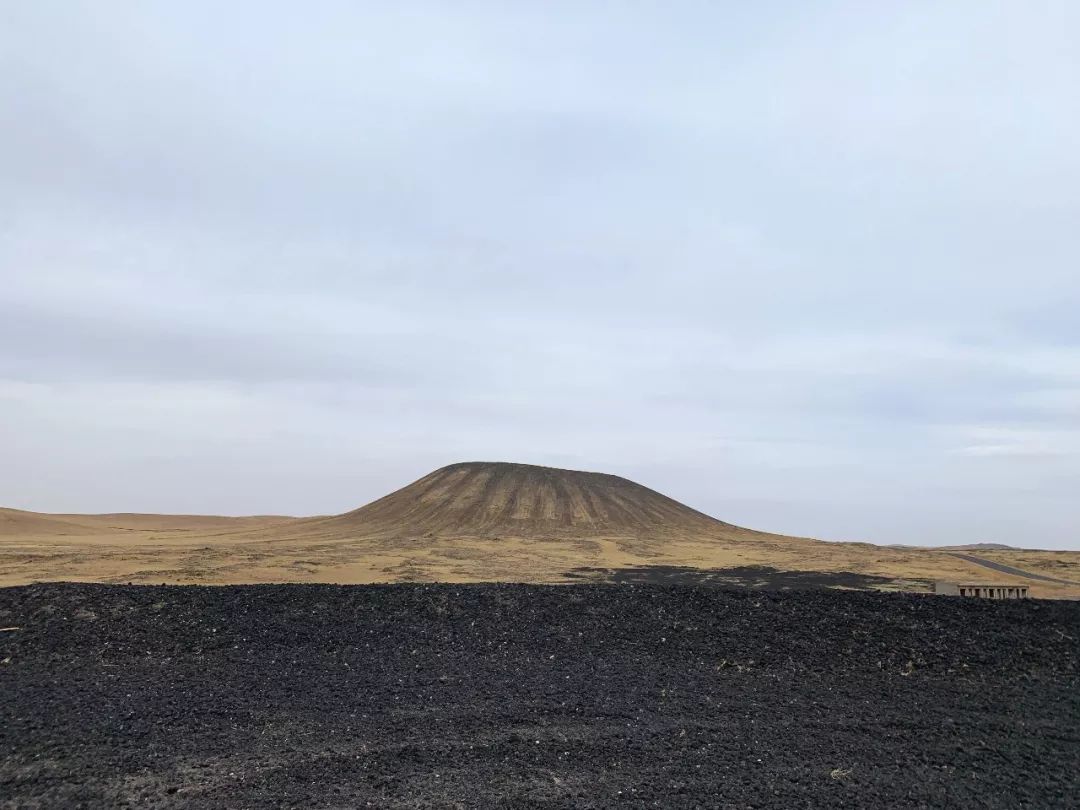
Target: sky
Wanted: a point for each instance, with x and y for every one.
(812, 268)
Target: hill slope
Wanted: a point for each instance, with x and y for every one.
(491, 499)
(18, 523)
(140, 522)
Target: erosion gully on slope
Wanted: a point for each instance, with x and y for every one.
(567, 696)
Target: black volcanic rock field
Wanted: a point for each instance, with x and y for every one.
(509, 695)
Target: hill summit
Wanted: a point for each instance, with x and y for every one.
(487, 499)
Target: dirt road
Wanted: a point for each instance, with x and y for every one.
(1008, 569)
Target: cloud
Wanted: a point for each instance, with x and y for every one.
(809, 269)
(1006, 441)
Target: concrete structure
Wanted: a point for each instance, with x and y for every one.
(983, 590)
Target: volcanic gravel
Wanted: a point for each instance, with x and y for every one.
(746, 576)
(512, 695)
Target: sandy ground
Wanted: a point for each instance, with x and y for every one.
(215, 550)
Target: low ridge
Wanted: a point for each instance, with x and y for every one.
(482, 498)
(17, 522)
(20, 523)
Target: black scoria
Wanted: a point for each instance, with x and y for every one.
(531, 696)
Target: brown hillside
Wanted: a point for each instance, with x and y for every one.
(17, 523)
(134, 521)
(492, 499)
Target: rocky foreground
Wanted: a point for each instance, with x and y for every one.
(575, 696)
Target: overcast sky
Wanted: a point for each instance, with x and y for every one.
(810, 267)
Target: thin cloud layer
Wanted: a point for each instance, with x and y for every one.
(811, 270)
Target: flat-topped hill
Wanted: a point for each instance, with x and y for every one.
(484, 499)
